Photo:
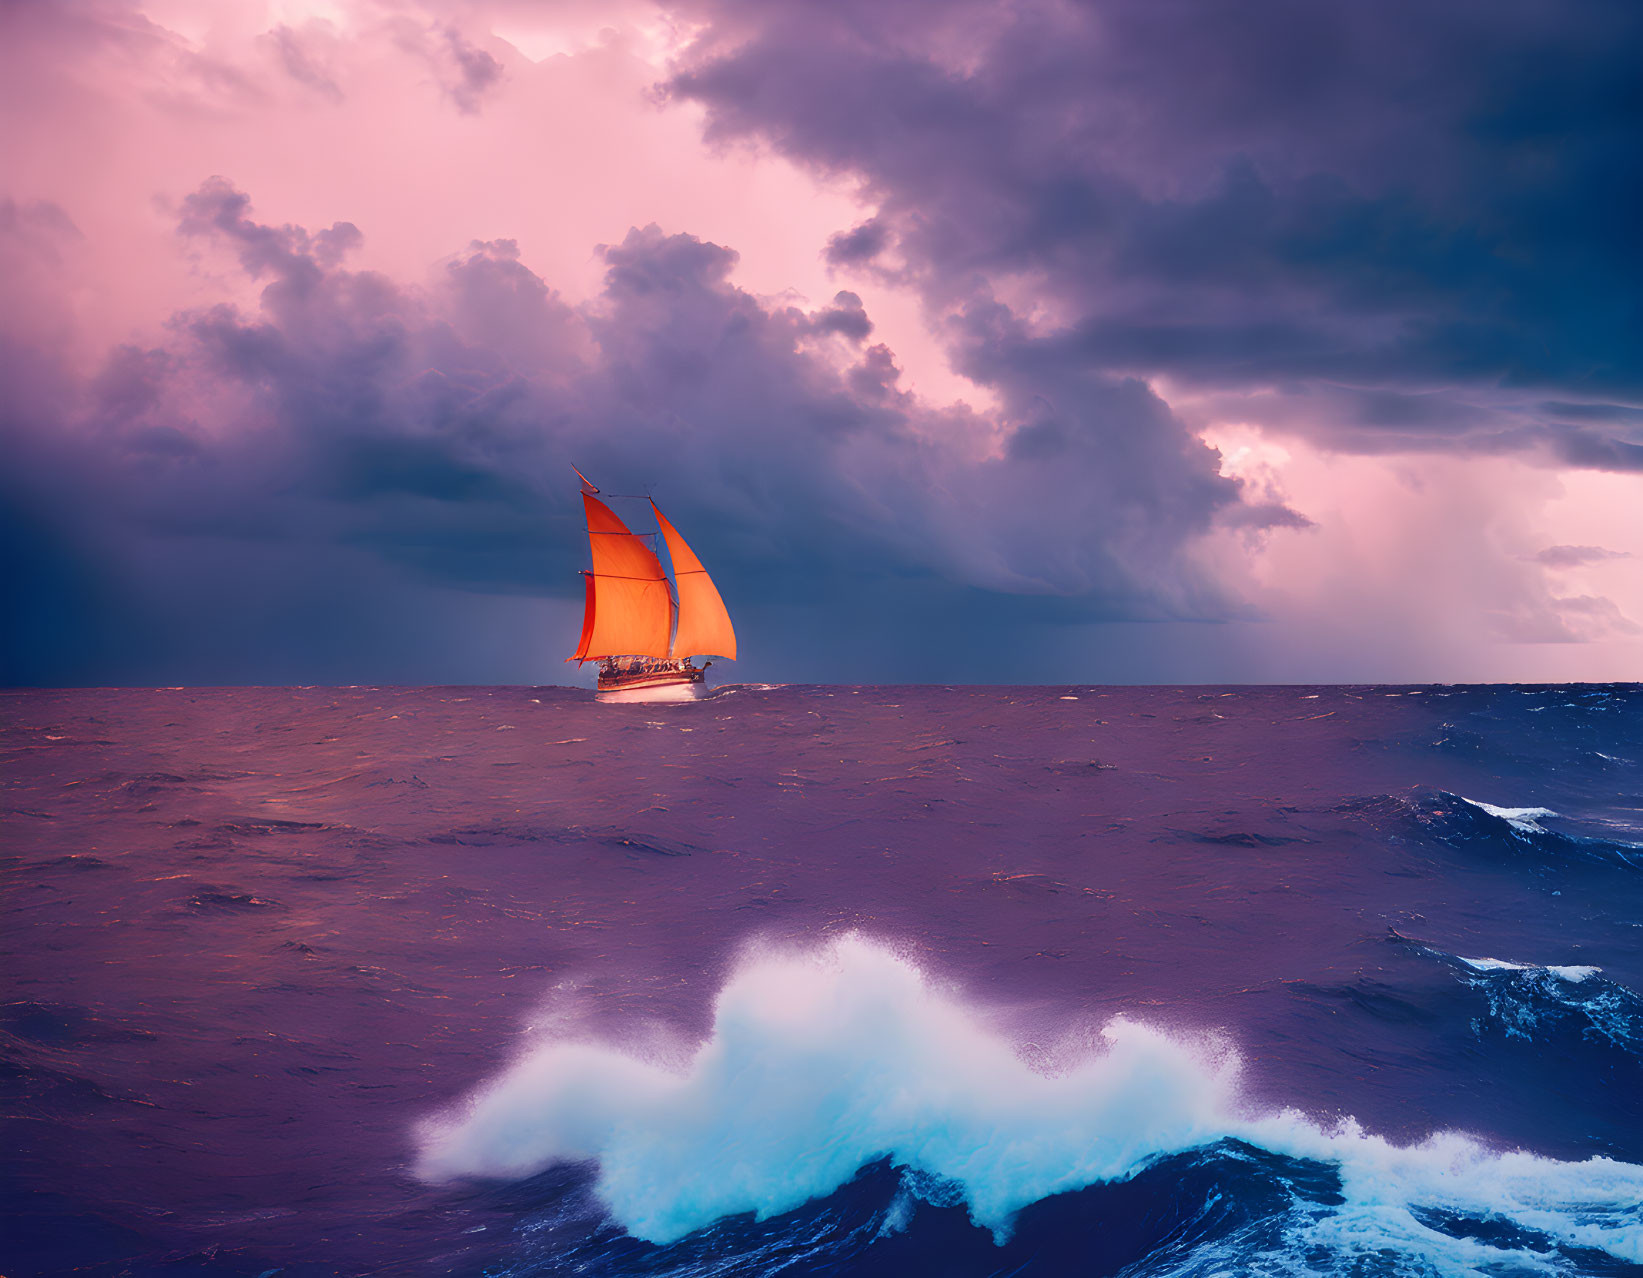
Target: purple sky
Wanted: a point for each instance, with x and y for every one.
(1155, 341)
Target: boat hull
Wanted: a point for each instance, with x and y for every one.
(651, 695)
(649, 680)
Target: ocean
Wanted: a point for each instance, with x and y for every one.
(823, 980)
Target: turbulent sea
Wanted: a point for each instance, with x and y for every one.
(822, 980)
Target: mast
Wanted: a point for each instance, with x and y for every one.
(704, 624)
(628, 609)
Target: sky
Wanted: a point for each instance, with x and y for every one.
(1154, 341)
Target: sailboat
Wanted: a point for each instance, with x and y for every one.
(641, 632)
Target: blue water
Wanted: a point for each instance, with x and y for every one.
(823, 980)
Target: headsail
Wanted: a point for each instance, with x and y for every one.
(629, 608)
(704, 625)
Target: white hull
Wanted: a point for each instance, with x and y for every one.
(667, 692)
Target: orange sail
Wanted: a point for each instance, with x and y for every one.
(629, 607)
(704, 625)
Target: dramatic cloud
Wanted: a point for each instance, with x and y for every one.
(435, 429)
(1397, 220)
(1051, 340)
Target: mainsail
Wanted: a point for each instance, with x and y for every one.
(704, 625)
(629, 607)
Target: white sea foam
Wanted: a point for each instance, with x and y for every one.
(1525, 819)
(1569, 973)
(819, 1063)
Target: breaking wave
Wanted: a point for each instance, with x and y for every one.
(821, 1064)
(1460, 822)
(1572, 973)
(1526, 1002)
(1533, 1001)
(724, 690)
(1523, 820)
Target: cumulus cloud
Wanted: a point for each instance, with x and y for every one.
(348, 416)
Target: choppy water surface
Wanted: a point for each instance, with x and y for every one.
(878, 980)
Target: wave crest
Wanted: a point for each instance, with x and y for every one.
(1471, 824)
(824, 1062)
(1536, 1001)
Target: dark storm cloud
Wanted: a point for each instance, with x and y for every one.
(1619, 413)
(1434, 205)
(253, 497)
(1599, 452)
